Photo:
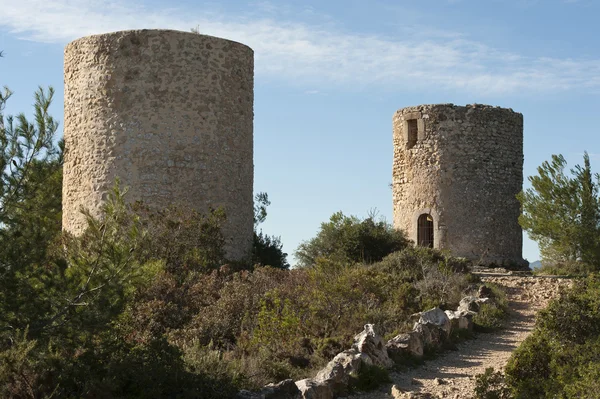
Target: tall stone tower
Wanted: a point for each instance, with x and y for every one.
(456, 173)
(171, 114)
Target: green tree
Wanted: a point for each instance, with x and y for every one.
(30, 206)
(562, 213)
(349, 239)
(30, 181)
(266, 250)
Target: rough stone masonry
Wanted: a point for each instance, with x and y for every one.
(456, 172)
(171, 114)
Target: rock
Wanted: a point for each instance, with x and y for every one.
(311, 389)
(439, 381)
(485, 292)
(437, 317)
(432, 335)
(405, 344)
(282, 390)
(371, 344)
(461, 320)
(398, 393)
(338, 371)
(471, 304)
(285, 389)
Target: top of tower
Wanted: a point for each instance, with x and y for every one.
(157, 32)
(450, 106)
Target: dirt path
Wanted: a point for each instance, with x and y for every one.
(452, 375)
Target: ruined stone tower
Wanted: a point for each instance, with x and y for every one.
(171, 114)
(456, 173)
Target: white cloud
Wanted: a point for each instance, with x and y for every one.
(306, 54)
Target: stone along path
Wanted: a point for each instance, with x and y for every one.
(452, 374)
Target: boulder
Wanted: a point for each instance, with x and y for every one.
(371, 344)
(282, 390)
(285, 389)
(437, 317)
(311, 389)
(432, 335)
(338, 371)
(460, 320)
(405, 344)
(471, 304)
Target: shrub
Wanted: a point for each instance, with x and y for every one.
(491, 385)
(268, 251)
(492, 314)
(183, 238)
(348, 239)
(141, 305)
(561, 357)
(369, 377)
(529, 368)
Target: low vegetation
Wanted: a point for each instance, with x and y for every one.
(561, 358)
(144, 303)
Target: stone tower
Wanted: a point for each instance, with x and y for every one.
(456, 173)
(171, 114)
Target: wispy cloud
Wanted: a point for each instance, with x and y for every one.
(309, 54)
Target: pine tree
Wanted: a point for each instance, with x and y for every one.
(562, 213)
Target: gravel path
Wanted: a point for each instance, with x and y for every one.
(452, 375)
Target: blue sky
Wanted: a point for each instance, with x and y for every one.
(330, 74)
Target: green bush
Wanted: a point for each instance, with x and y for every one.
(348, 239)
(561, 358)
(564, 268)
(492, 314)
(491, 385)
(268, 251)
(369, 377)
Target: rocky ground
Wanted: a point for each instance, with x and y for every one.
(452, 375)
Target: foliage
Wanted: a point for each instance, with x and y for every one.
(30, 204)
(183, 238)
(491, 315)
(568, 268)
(562, 213)
(143, 304)
(348, 239)
(24, 146)
(369, 377)
(491, 385)
(562, 356)
(261, 202)
(277, 322)
(266, 250)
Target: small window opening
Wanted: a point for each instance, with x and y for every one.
(425, 231)
(413, 132)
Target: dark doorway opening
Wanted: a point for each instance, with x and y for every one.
(425, 231)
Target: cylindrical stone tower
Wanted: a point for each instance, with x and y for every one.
(456, 173)
(171, 114)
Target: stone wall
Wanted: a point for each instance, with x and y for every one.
(171, 114)
(464, 167)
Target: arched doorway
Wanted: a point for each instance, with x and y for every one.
(425, 231)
